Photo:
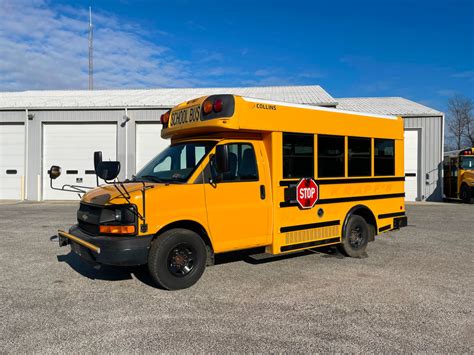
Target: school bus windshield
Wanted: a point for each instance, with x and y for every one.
(176, 163)
(467, 163)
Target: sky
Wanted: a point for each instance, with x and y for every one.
(421, 50)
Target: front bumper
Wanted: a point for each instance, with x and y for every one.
(108, 250)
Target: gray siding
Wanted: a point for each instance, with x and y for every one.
(12, 116)
(431, 175)
(145, 115)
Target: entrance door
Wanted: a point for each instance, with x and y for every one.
(12, 160)
(411, 165)
(72, 147)
(238, 207)
(148, 143)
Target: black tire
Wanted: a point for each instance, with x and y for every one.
(355, 237)
(177, 259)
(465, 194)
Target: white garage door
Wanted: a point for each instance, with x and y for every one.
(411, 165)
(149, 143)
(12, 160)
(72, 147)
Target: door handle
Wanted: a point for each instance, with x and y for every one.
(262, 192)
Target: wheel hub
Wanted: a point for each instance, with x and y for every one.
(181, 260)
(356, 238)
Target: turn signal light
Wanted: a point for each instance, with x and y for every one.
(165, 118)
(207, 107)
(117, 229)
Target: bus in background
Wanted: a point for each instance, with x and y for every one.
(459, 174)
(243, 173)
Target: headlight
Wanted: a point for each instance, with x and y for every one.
(118, 215)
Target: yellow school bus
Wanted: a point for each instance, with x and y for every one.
(243, 173)
(459, 174)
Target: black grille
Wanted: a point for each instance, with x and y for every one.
(88, 218)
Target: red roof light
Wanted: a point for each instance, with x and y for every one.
(218, 105)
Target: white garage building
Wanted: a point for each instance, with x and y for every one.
(42, 128)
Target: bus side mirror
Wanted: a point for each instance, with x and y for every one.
(222, 159)
(108, 170)
(97, 160)
(54, 172)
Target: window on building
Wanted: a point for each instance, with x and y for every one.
(384, 157)
(359, 156)
(298, 155)
(330, 156)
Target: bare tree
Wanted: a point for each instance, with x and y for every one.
(460, 120)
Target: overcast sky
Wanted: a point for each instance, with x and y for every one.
(422, 50)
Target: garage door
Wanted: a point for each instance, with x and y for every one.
(149, 143)
(12, 161)
(411, 165)
(72, 147)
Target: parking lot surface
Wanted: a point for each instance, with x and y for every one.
(414, 292)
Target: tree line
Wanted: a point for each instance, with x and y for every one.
(460, 123)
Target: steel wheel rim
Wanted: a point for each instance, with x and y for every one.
(356, 237)
(181, 260)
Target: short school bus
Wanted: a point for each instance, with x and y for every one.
(243, 173)
(459, 175)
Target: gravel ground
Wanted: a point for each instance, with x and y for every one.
(414, 293)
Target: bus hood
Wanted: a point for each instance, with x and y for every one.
(468, 176)
(104, 194)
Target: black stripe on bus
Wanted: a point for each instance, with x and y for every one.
(89, 172)
(345, 181)
(410, 174)
(384, 228)
(11, 172)
(309, 226)
(345, 199)
(388, 215)
(72, 172)
(309, 244)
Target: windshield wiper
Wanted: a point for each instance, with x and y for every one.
(151, 178)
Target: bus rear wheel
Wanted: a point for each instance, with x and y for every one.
(465, 194)
(177, 259)
(355, 237)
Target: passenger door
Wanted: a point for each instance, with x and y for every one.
(238, 202)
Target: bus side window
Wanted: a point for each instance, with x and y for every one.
(454, 167)
(331, 156)
(384, 157)
(298, 155)
(242, 163)
(359, 156)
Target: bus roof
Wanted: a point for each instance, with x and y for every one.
(256, 115)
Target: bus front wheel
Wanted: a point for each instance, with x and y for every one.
(355, 237)
(177, 259)
(465, 194)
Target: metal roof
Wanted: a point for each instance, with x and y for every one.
(312, 95)
(397, 106)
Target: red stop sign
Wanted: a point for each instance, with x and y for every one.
(307, 193)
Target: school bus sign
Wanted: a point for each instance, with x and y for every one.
(307, 193)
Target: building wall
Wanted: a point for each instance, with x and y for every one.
(431, 155)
